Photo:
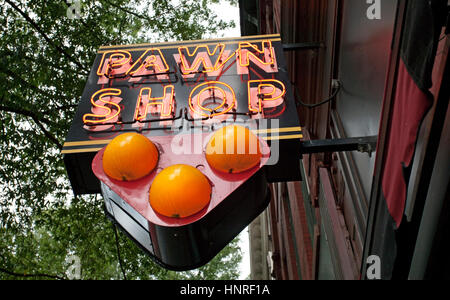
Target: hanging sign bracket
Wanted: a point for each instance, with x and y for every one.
(365, 144)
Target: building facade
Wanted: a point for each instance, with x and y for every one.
(333, 223)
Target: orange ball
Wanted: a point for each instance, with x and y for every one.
(179, 191)
(233, 149)
(130, 156)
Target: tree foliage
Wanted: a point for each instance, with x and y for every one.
(45, 58)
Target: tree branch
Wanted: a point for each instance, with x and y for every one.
(128, 11)
(27, 113)
(46, 38)
(63, 107)
(24, 82)
(47, 133)
(32, 275)
(118, 252)
(35, 60)
(37, 119)
(35, 88)
(85, 25)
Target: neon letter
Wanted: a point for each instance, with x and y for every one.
(114, 63)
(268, 93)
(212, 90)
(163, 105)
(268, 64)
(202, 59)
(149, 60)
(99, 105)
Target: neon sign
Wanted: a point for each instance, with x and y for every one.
(162, 89)
(189, 62)
(177, 94)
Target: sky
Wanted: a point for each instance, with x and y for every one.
(227, 13)
(245, 263)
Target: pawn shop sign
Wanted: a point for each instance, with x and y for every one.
(184, 88)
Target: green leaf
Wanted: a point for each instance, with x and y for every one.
(45, 58)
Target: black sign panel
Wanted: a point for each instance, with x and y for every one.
(168, 88)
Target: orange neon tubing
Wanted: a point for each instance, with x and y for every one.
(151, 62)
(201, 59)
(223, 103)
(154, 102)
(257, 50)
(120, 53)
(104, 92)
(259, 92)
(209, 88)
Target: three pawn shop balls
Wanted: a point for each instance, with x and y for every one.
(130, 156)
(233, 149)
(179, 191)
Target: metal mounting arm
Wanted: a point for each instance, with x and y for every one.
(365, 144)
